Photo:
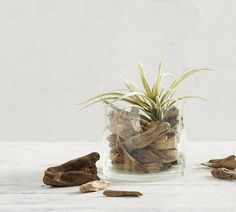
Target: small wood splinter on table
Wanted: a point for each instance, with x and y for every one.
(115, 193)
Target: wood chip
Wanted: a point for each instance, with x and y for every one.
(115, 193)
(93, 186)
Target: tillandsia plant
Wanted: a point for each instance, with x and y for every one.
(146, 135)
(153, 100)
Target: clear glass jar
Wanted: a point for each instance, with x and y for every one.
(137, 150)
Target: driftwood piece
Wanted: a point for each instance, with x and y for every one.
(164, 143)
(174, 117)
(144, 139)
(171, 155)
(117, 157)
(153, 167)
(223, 173)
(115, 193)
(124, 124)
(93, 186)
(228, 162)
(74, 172)
(112, 140)
(159, 153)
(145, 156)
(130, 163)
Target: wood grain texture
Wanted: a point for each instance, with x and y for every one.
(21, 187)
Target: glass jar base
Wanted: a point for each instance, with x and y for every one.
(172, 173)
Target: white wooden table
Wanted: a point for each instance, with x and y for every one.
(21, 189)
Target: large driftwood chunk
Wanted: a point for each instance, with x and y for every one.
(74, 172)
(223, 173)
(144, 139)
(93, 186)
(114, 193)
(228, 162)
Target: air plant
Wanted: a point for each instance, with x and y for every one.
(153, 100)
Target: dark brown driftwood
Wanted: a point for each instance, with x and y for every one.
(223, 173)
(228, 162)
(74, 172)
(114, 193)
(145, 139)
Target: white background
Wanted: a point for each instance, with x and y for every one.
(54, 54)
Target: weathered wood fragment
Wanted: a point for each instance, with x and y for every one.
(115, 193)
(146, 138)
(174, 117)
(171, 155)
(153, 167)
(74, 172)
(124, 124)
(223, 173)
(145, 156)
(228, 162)
(164, 143)
(93, 186)
(130, 163)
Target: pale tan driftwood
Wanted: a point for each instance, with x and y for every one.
(164, 143)
(145, 156)
(74, 172)
(117, 157)
(144, 139)
(93, 186)
(114, 193)
(228, 162)
(223, 173)
(153, 167)
(119, 166)
(130, 163)
(159, 153)
(123, 124)
(171, 155)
